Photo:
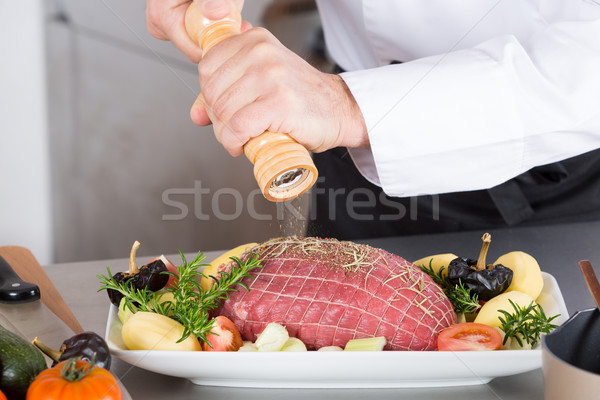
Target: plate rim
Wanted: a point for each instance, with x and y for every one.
(527, 360)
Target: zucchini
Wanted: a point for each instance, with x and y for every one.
(20, 363)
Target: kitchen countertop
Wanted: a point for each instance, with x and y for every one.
(558, 248)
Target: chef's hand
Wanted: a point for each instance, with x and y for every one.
(165, 21)
(252, 83)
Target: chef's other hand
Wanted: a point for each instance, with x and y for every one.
(165, 21)
(252, 83)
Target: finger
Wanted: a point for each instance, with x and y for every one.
(246, 26)
(154, 20)
(236, 53)
(215, 9)
(169, 24)
(179, 35)
(263, 115)
(198, 113)
(239, 4)
(245, 124)
(184, 43)
(223, 84)
(230, 142)
(245, 91)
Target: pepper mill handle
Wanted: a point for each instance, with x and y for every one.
(283, 168)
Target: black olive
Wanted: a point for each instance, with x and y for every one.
(487, 283)
(85, 345)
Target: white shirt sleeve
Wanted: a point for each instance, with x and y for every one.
(476, 117)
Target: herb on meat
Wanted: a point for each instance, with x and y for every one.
(462, 298)
(526, 323)
(352, 256)
(191, 305)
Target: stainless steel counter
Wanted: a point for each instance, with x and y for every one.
(557, 248)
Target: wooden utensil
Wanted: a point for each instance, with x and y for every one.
(591, 280)
(29, 269)
(283, 168)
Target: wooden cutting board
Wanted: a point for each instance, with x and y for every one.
(29, 269)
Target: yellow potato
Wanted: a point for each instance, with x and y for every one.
(125, 313)
(527, 276)
(222, 259)
(149, 331)
(489, 313)
(437, 261)
(165, 296)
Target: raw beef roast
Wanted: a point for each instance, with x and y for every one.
(326, 292)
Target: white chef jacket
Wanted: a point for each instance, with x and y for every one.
(487, 89)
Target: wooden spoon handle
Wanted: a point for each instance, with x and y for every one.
(591, 280)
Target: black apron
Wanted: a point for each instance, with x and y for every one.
(348, 207)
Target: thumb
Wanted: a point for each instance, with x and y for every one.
(215, 9)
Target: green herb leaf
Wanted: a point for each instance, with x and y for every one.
(462, 299)
(191, 305)
(526, 323)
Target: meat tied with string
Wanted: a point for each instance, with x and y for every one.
(326, 292)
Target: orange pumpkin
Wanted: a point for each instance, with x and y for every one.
(2, 396)
(74, 380)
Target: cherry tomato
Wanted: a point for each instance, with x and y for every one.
(469, 336)
(224, 336)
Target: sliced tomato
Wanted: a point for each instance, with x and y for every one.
(469, 336)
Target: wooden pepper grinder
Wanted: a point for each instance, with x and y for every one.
(283, 168)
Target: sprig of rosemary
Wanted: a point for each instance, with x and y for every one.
(135, 299)
(463, 300)
(440, 280)
(526, 323)
(191, 305)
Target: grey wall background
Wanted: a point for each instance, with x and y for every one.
(25, 192)
(123, 149)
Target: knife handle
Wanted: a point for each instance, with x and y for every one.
(13, 289)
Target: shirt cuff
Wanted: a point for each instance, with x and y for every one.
(365, 163)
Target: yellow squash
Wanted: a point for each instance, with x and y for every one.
(150, 331)
(211, 270)
(437, 261)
